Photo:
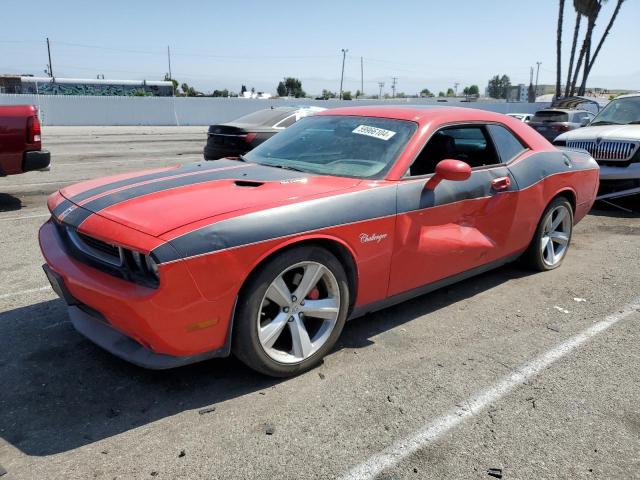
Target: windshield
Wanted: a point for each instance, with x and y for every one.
(359, 147)
(550, 116)
(619, 112)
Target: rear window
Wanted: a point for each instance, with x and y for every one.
(550, 116)
(266, 118)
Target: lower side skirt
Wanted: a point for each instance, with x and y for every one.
(416, 292)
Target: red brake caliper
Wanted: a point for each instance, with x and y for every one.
(314, 294)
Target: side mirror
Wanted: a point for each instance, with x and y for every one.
(455, 170)
(584, 122)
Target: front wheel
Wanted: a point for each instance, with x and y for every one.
(553, 235)
(291, 312)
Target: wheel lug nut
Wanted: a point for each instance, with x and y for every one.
(294, 299)
(302, 303)
(285, 309)
(291, 319)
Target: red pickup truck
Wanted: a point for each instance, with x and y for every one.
(20, 140)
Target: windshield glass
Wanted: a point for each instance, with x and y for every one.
(621, 111)
(550, 116)
(359, 147)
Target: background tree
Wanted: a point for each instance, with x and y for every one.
(559, 48)
(282, 90)
(473, 90)
(441, 94)
(293, 87)
(188, 91)
(425, 92)
(327, 94)
(499, 86)
(220, 93)
(346, 95)
(576, 31)
(358, 93)
(242, 90)
(590, 62)
(167, 78)
(450, 92)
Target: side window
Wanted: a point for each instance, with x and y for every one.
(287, 122)
(506, 143)
(471, 144)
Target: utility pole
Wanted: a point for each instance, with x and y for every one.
(173, 85)
(381, 85)
(455, 88)
(361, 76)
(50, 67)
(344, 55)
(537, 72)
(393, 87)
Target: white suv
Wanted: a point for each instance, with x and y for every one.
(613, 139)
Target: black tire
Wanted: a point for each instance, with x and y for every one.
(534, 256)
(246, 345)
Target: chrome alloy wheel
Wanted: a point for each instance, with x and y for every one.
(298, 312)
(555, 235)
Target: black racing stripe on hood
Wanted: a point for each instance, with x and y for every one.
(248, 172)
(194, 167)
(282, 221)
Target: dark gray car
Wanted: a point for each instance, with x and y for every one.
(552, 122)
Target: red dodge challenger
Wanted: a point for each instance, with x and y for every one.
(341, 214)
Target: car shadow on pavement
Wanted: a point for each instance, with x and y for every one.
(59, 391)
(9, 203)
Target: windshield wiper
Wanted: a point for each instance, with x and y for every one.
(242, 158)
(284, 167)
(603, 122)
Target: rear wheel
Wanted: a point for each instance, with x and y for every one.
(553, 235)
(291, 312)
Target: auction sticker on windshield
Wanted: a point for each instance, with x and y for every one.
(374, 132)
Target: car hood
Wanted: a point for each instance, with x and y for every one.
(608, 132)
(158, 201)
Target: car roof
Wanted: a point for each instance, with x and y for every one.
(628, 95)
(419, 113)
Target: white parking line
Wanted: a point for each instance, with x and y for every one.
(438, 427)
(23, 292)
(24, 217)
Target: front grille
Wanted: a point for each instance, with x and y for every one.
(606, 150)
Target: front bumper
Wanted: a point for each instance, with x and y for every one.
(156, 328)
(630, 172)
(97, 329)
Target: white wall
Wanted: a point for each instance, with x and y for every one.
(81, 110)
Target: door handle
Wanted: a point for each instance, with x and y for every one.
(501, 183)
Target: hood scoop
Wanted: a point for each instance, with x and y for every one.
(247, 183)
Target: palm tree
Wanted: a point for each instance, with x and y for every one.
(576, 30)
(590, 9)
(589, 63)
(559, 49)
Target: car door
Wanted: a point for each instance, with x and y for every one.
(460, 225)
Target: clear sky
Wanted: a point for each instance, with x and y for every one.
(217, 44)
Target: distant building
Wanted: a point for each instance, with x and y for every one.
(83, 86)
(518, 93)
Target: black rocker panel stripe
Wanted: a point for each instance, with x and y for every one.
(250, 172)
(355, 207)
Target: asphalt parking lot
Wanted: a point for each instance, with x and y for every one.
(510, 375)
